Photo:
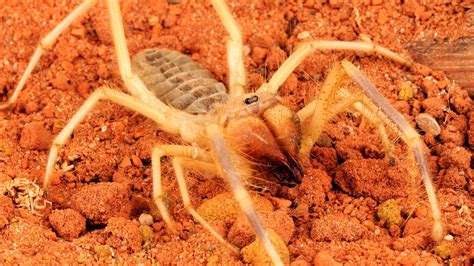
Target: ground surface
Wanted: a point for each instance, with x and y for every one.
(331, 217)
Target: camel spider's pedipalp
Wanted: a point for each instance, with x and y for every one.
(230, 130)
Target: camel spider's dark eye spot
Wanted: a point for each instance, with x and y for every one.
(251, 99)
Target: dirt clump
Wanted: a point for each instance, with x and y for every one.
(325, 258)
(101, 201)
(416, 225)
(255, 253)
(456, 167)
(123, 234)
(241, 233)
(6, 210)
(68, 223)
(35, 136)
(224, 206)
(335, 227)
(325, 158)
(389, 213)
(372, 178)
(313, 188)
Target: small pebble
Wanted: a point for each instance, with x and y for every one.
(145, 219)
(136, 161)
(126, 162)
(78, 32)
(153, 20)
(146, 232)
(428, 124)
(389, 212)
(103, 251)
(303, 35)
(377, 231)
(406, 91)
(443, 250)
(448, 237)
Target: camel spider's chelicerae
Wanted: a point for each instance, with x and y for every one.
(229, 130)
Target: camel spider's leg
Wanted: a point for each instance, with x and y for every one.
(235, 60)
(325, 99)
(165, 122)
(379, 113)
(171, 150)
(132, 82)
(409, 136)
(308, 48)
(44, 45)
(370, 112)
(325, 108)
(223, 157)
(178, 169)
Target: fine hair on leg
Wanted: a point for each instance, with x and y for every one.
(235, 46)
(167, 123)
(307, 48)
(410, 137)
(224, 158)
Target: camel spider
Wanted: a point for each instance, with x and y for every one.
(226, 129)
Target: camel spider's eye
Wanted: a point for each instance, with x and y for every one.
(251, 99)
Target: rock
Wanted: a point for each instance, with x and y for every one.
(145, 219)
(325, 258)
(6, 210)
(224, 206)
(389, 212)
(241, 233)
(103, 251)
(146, 232)
(102, 201)
(68, 223)
(123, 235)
(372, 178)
(336, 227)
(256, 254)
(428, 124)
(35, 136)
(443, 249)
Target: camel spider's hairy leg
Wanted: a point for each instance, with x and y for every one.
(230, 130)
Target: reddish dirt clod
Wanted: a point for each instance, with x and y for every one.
(314, 186)
(324, 258)
(123, 234)
(35, 136)
(6, 210)
(68, 223)
(102, 201)
(375, 178)
(337, 228)
(241, 233)
(416, 225)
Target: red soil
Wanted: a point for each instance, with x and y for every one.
(330, 218)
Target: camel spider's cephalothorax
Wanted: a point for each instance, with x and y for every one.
(230, 130)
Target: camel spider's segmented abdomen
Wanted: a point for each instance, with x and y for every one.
(179, 81)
